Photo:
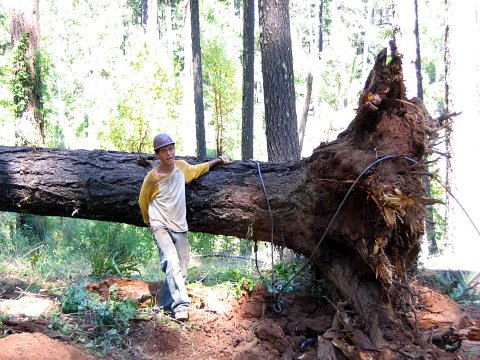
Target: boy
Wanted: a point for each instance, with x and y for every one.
(163, 206)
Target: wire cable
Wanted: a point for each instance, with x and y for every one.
(458, 202)
(327, 229)
(271, 224)
(387, 157)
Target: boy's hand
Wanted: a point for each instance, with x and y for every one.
(225, 159)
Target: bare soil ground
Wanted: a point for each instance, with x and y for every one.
(229, 328)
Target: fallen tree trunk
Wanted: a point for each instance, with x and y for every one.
(355, 206)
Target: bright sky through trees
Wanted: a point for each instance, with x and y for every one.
(108, 86)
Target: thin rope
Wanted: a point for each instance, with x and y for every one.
(387, 157)
(337, 212)
(458, 202)
(271, 224)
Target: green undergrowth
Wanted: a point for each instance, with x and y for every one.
(96, 322)
(105, 324)
(57, 257)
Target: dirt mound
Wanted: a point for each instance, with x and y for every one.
(250, 327)
(36, 346)
(246, 328)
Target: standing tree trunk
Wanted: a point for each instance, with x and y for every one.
(418, 59)
(278, 80)
(198, 79)
(248, 78)
(188, 111)
(27, 94)
(26, 85)
(169, 35)
(144, 11)
(407, 39)
(369, 32)
(320, 27)
(306, 107)
(248, 99)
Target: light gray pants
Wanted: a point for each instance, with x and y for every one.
(174, 254)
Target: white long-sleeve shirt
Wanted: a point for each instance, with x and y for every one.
(162, 199)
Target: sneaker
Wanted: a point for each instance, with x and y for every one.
(181, 315)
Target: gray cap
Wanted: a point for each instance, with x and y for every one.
(161, 140)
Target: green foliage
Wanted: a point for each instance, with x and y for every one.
(136, 9)
(108, 263)
(149, 101)
(237, 281)
(115, 248)
(221, 91)
(75, 247)
(128, 135)
(431, 71)
(40, 89)
(111, 316)
(202, 243)
(232, 274)
(286, 270)
(75, 299)
(112, 85)
(19, 239)
(458, 286)
(23, 79)
(437, 191)
(57, 323)
(226, 280)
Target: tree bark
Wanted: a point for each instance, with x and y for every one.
(407, 39)
(278, 80)
(320, 27)
(355, 207)
(25, 33)
(27, 93)
(248, 61)
(306, 107)
(197, 79)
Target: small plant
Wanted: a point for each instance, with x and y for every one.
(458, 286)
(110, 318)
(238, 283)
(287, 271)
(57, 323)
(76, 299)
(113, 318)
(112, 264)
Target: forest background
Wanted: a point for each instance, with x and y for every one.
(111, 80)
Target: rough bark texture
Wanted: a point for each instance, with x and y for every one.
(356, 206)
(248, 62)
(198, 79)
(306, 108)
(29, 124)
(278, 80)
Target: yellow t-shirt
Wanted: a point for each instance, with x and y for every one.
(162, 199)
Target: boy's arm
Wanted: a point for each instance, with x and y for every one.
(217, 161)
(193, 172)
(144, 198)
